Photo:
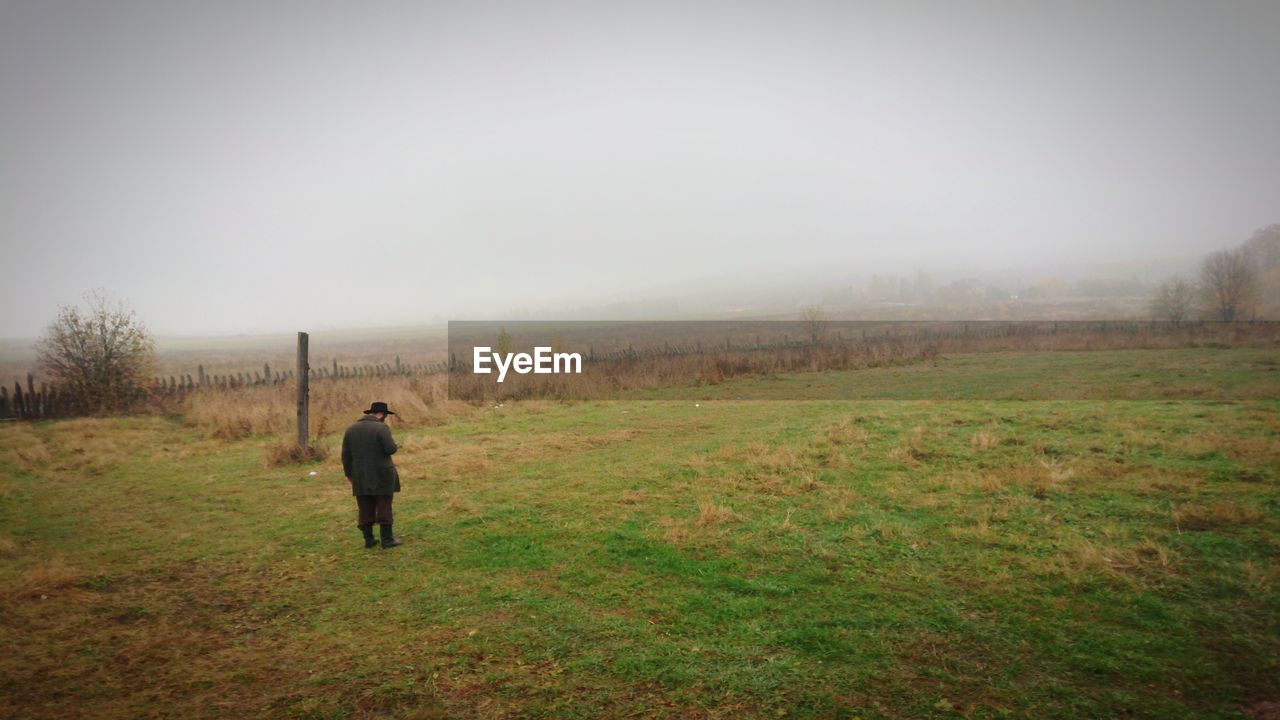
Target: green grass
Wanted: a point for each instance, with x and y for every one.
(851, 558)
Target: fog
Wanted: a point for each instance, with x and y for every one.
(261, 167)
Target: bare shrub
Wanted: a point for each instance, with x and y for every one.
(1227, 280)
(100, 356)
(1174, 300)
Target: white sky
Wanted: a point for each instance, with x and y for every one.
(260, 166)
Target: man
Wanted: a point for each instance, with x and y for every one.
(367, 448)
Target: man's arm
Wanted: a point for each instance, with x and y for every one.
(384, 438)
(346, 457)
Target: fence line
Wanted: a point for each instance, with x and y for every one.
(49, 401)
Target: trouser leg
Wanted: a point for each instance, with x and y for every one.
(384, 518)
(382, 508)
(368, 510)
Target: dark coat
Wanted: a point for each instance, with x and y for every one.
(367, 448)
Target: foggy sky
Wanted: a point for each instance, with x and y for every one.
(249, 167)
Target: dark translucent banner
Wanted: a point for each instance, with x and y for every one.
(820, 359)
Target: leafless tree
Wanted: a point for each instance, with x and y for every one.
(1227, 281)
(1174, 300)
(100, 354)
(815, 321)
(1263, 248)
(1264, 256)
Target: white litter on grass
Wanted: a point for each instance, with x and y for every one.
(697, 405)
(313, 472)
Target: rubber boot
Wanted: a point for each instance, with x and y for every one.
(388, 540)
(369, 539)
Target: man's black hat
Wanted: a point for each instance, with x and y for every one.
(378, 407)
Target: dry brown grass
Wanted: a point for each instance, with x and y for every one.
(85, 446)
(1217, 515)
(264, 410)
(1258, 449)
(711, 514)
(773, 461)
(28, 455)
(724, 453)
(286, 452)
(838, 510)
(846, 432)
(884, 530)
(633, 497)
(674, 530)
(1039, 478)
(458, 505)
(48, 577)
(915, 448)
(983, 440)
(468, 461)
(979, 529)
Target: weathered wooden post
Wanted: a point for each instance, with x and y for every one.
(303, 388)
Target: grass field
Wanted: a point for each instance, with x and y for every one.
(648, 558)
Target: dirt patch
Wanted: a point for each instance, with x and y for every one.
(1264, 710)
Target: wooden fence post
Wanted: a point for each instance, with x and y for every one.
(303, 388)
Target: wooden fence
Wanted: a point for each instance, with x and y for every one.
(44, 400)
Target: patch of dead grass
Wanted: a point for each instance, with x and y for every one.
(1039, 478)
(1220, 514)
(48, 577)
(674, 530)
(1251, 449)
(458, 505)
(846, 432)
(982, 441)
(286, 452)
(710, 513)
(633, 497)
(468, 461)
